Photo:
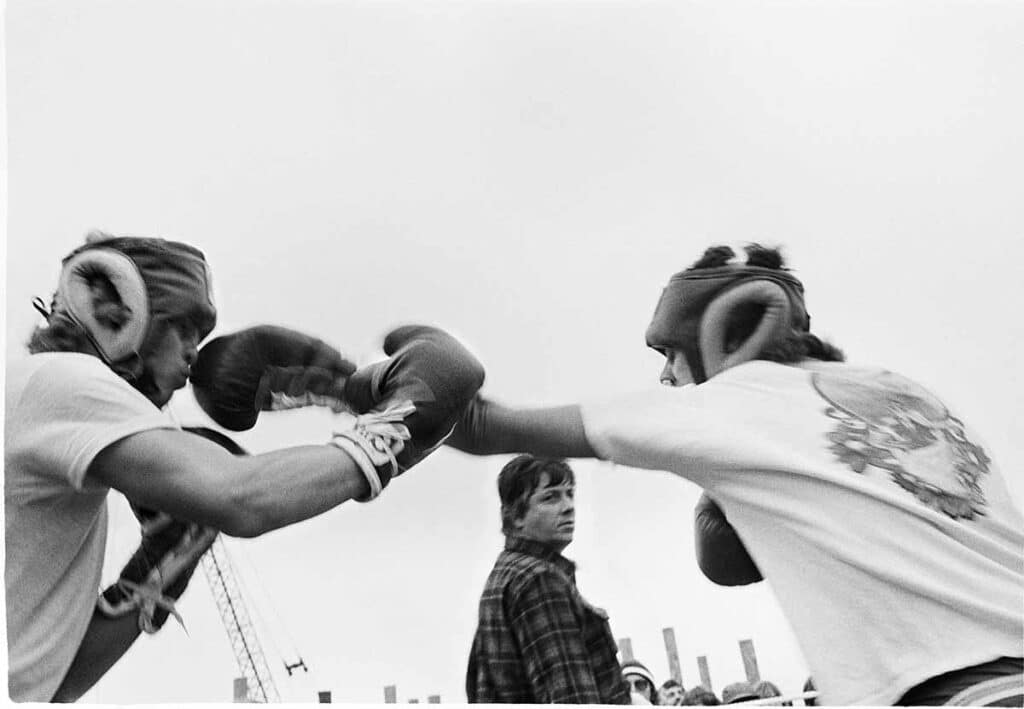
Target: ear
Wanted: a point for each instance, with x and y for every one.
(714, 323)
(115, 342)
(517, 522)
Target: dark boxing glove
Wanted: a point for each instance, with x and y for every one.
(266, 368)
(428, 368)
(720, 552)
(161, 568)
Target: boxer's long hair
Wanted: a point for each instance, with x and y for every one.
(795, 347)
(64, 334)
(60, 334)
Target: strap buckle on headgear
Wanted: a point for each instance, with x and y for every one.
(41, 308)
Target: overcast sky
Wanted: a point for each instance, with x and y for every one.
(527, 175)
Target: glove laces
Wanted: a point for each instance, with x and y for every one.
(373, 441)
(147, 598)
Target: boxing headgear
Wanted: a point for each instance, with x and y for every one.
(698, 305)
(152, 278)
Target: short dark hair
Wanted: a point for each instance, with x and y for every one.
(700, 696)
(519, 479)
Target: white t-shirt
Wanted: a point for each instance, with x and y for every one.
(886, 532)
(62, 409)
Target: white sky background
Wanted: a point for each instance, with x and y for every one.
(527, 175)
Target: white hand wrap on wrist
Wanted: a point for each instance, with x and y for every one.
(373, 440)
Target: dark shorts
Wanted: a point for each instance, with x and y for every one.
(999, 683)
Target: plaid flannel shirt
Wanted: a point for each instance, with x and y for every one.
(538, 640)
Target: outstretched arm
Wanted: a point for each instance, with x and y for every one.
(487, 428)
(191, 478)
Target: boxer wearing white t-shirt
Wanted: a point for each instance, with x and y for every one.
(56, 517)
(83, 416)
(885, 529)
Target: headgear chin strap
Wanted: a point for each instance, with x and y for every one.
(697, 306)
(77, 296)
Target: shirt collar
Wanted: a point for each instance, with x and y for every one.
(540, 550)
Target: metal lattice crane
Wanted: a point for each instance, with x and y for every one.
(241, 632)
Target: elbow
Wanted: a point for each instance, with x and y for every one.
(243, 524)
(245, 528)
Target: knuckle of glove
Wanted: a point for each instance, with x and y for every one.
(449, 370)
(407, 333)
(439, 379)
(440, 348)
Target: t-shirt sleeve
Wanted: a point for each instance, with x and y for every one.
(70, 409)
(673, 429)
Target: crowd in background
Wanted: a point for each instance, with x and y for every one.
(645, 690)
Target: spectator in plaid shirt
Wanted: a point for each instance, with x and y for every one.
(538, 640)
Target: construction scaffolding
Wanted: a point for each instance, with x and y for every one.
(259, 684)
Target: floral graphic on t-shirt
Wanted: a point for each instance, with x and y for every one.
(889, 422)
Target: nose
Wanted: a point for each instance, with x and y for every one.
(668, 378)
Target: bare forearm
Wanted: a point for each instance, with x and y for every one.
(106, 640)
(291, 485)
(488, 428)
(194, 479)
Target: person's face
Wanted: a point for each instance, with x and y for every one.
(676, 372)
(640, 685)
(169, 358)
(550, 515)
(670, 696)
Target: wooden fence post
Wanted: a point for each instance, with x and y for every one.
(673, 655)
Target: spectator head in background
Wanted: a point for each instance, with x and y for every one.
(809, 687)
(537, 500)
(671, 693)
(739, 692)
(700, 696)
(767, 690)
(640, 680)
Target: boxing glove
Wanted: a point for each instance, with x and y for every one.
(160, 569)
(266, 368)
(721, 555)
(427, 368)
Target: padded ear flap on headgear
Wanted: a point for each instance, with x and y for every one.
(77, 294)
(714, 324)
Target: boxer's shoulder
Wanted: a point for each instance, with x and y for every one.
(58, 370)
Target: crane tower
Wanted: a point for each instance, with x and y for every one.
(241, 632)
